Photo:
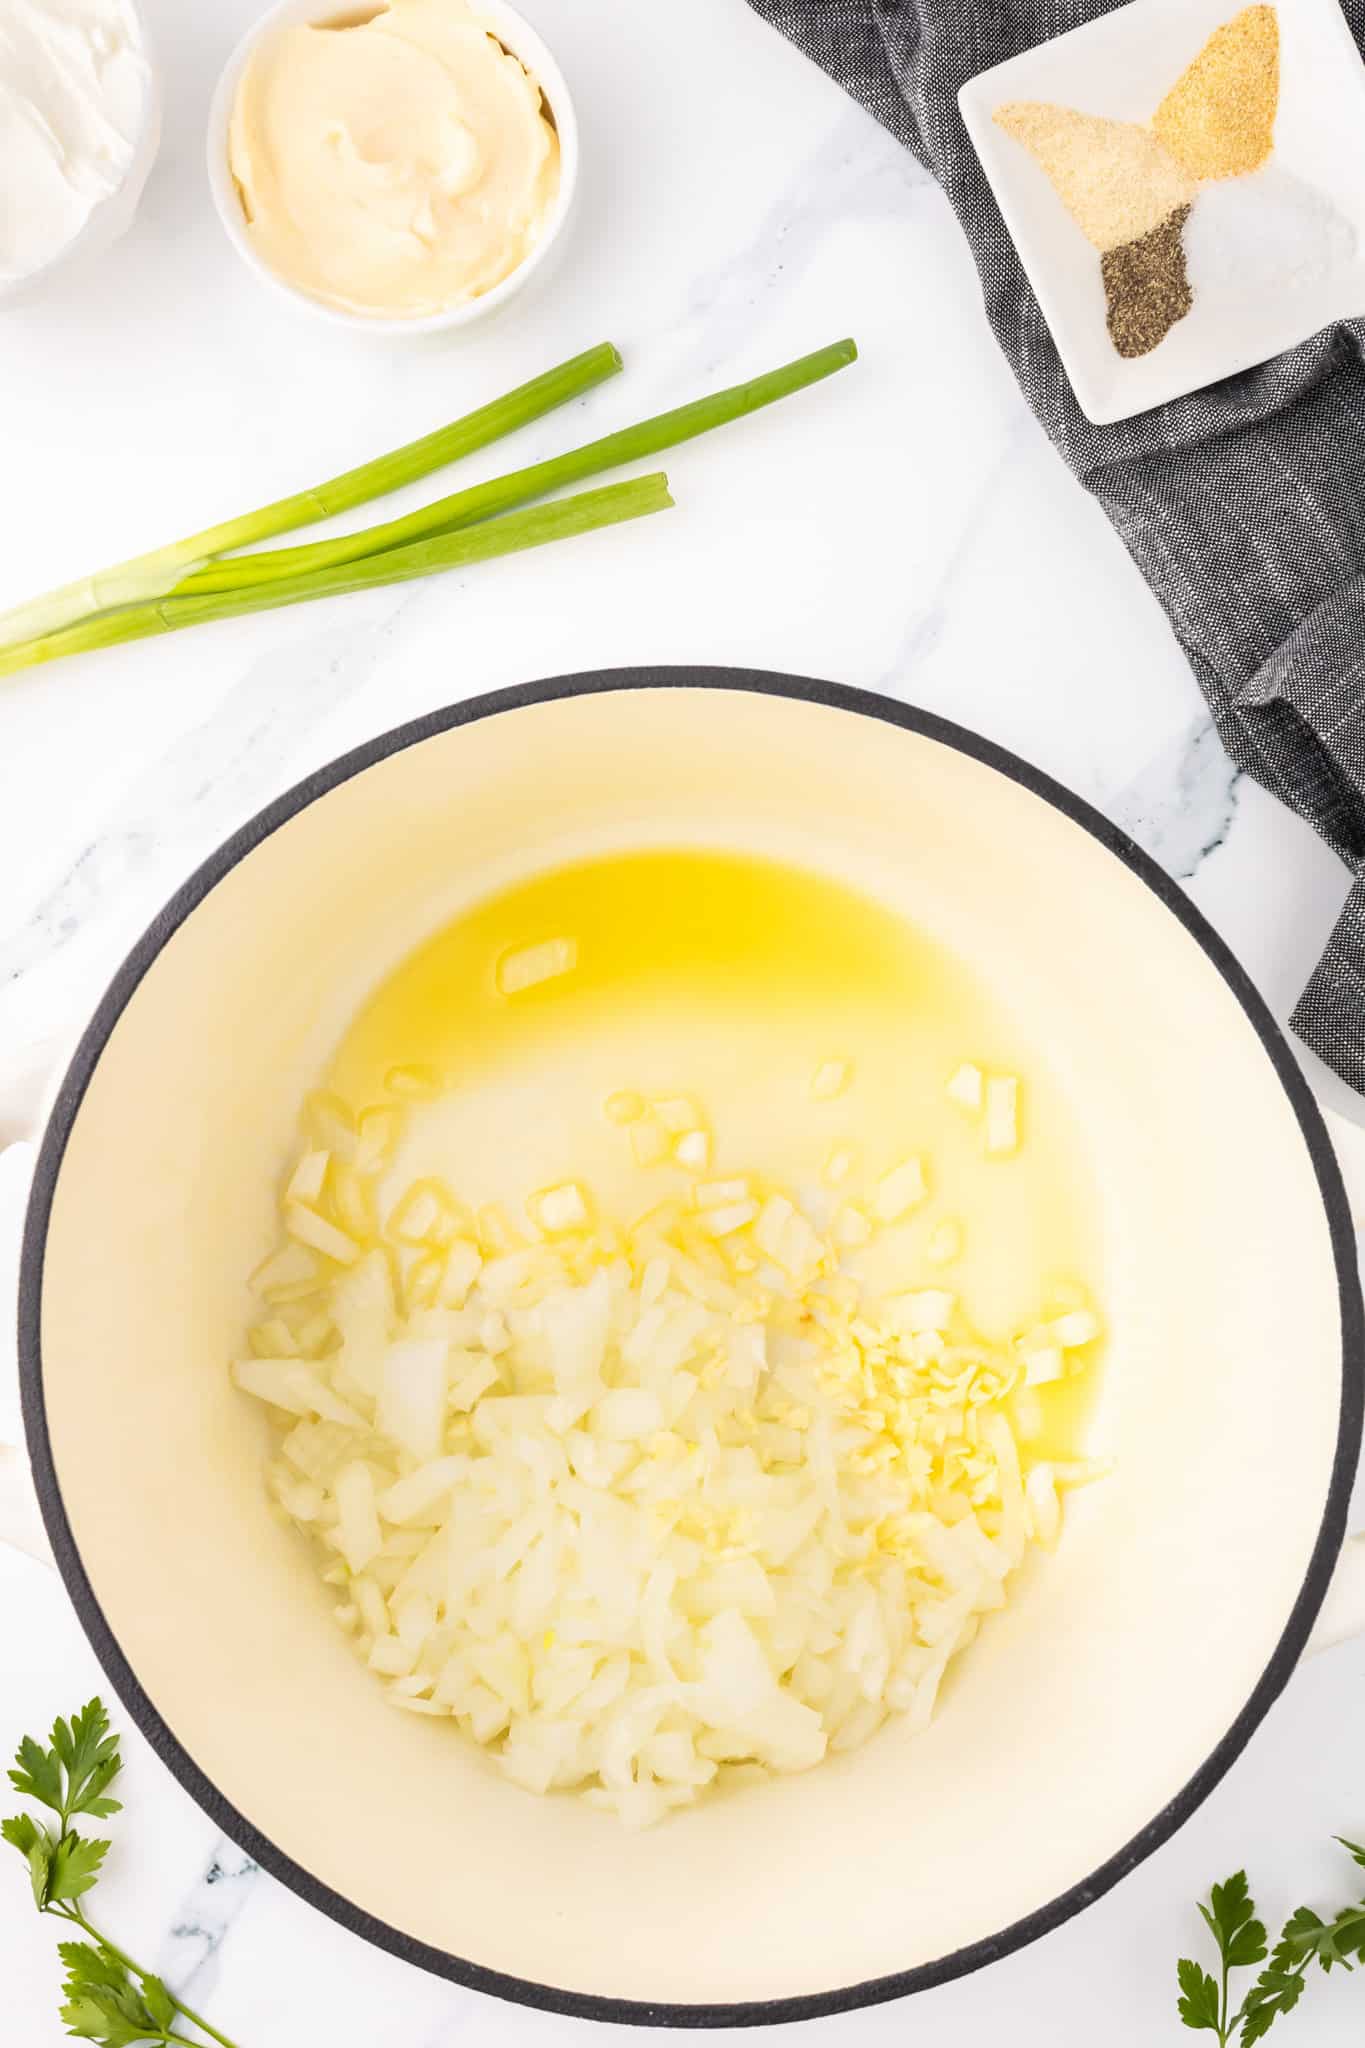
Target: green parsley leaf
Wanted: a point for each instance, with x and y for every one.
(1280, 1985)
(1351, 1932)
(75, 1866)
(1272, 1996)
(91, 2016)
(87, 1966)
(90, 1757)
(35, 1846)
(1232, 1910)
(22, 1831)
(1248, 1945)
(108, 2002)
(1229, 1917)
(38, 1775)
(1306, 1938)
(75, 1774)
(106, 1998)
(158, 2002)
(1198, 2005)
(1303, 1931)
(85, 2017)
(40, 1872)
(1342, 1939)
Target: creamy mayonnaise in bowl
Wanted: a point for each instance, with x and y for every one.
(407, 165)
(80, 123)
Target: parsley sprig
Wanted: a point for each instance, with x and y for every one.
(107, 1997)
(1205, 2002)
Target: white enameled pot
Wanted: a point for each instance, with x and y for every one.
(1093, 1715)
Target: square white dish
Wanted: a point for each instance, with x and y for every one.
(1121, 67)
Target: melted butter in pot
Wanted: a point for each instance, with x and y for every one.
(734, 981)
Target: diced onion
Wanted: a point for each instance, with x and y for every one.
(358, 1520)
(495, 1232)
(426, 1214)
(967, 1087)
(463, 1264)
(562, 1208)
(724, 1220)
(330, 1126)
(288, 1383)
(378, 1132)
(641, 1510)
(945, 1244)
(314, 1230)
(292, 1271)
(416, 1495)
(412, 1396)
(1043, 1364)
(275, 1339)
(839, 1165)
(625, 1107)
(1079, 1327)
(852, 1227)
(900, 1191)
(531, 965)
(306, 1181)
(784, 1235)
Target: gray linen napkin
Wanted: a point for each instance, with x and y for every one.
(1243, 506)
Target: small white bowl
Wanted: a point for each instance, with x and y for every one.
(114, 215)
(516, 35)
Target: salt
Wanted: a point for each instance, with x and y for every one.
(1267, 229)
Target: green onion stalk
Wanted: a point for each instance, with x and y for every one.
(483, 501)
(151, 576)
(562, 520)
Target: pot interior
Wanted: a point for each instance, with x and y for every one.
(1120, 1664)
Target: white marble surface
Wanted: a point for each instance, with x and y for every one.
(905, 528)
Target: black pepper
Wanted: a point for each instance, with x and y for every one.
(1147, 287)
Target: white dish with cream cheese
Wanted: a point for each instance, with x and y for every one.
(79, 122)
